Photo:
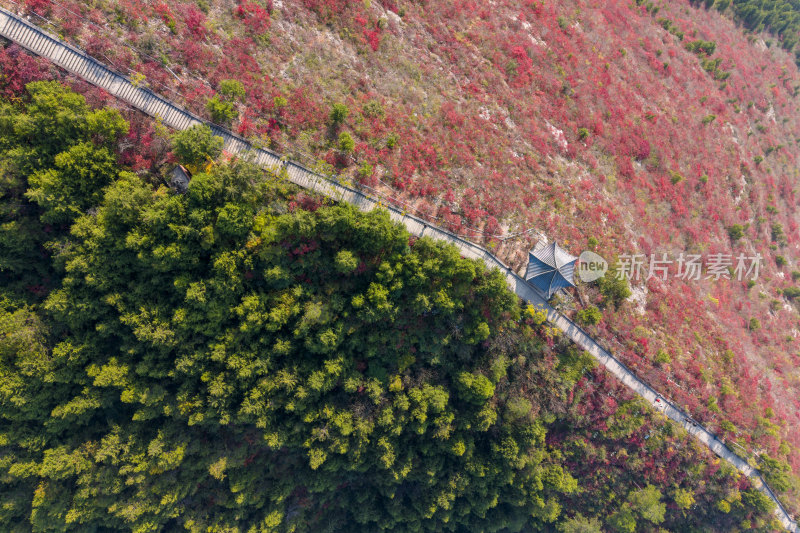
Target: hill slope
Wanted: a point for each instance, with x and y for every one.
(602, 124)
(225, 359)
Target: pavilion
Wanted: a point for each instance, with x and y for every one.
(550, 268)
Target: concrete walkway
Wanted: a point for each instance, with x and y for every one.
(36, 40)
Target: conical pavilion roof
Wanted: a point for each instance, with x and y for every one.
(550, 268)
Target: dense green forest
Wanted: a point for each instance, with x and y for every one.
(244, 358)
(779, 17)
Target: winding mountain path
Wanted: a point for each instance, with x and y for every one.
(75, 61)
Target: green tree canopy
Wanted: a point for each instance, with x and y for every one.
(56, 155)
(196, 146)
(193, 319)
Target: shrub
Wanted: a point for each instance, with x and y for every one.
(712, 405)
(614, 289)
(222, 112)
(589, 316)
(754, 324)
(474, 388)
(231, 89)
(775, 472)
(701, 47)
(536, 316)
(518, 407)
(346, 142)
(754, 498)
(736, 232)
(684, 499)
(662, 357)
(580, 524)
(583, 133)
(373, 109)
(776, 232)
(346, 262)
(711, 65)
(339, 113)
(623, 521)
(74, 184)
(196, 145)
(255, 18)
(365, 171)
(647, 504)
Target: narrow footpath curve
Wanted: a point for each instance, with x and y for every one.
(75, 61)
